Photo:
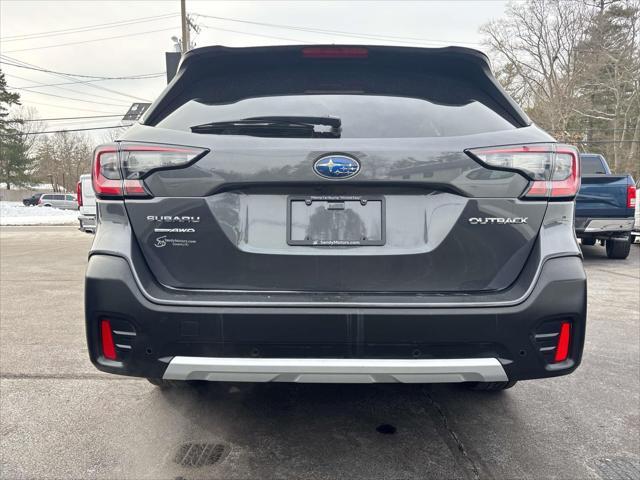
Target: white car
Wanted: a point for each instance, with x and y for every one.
(87, 204)
(63, 201)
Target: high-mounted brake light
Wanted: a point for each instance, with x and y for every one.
(120, 170)
(108, 345)
(562, 349)
(631, 196)
(554, 169)
(335, 52)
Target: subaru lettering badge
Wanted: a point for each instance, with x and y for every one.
(336, 166)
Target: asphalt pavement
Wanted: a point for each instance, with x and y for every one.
(61, 418)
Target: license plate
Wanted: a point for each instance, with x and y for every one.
(328, 221)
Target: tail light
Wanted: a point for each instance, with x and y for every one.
(79, 193)
(119, 170)
(553, 169)
(40, 201)
(108, 345)
(631, 196)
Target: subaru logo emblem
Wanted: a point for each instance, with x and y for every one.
(336, 166)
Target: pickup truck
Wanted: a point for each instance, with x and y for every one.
(605, 206)
(86, 204)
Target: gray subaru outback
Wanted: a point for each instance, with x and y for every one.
(335, 214)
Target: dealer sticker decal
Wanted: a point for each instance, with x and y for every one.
(163, 241)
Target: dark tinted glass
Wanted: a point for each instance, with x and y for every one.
(591, 165)
(363, 116)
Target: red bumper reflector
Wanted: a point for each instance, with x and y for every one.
(108, 347)
(562, 350)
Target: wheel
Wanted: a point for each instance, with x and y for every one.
(166, 384)
(589, 241)
(618, 248)
(491, 386)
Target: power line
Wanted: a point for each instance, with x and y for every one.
(66, 107)
(100, 87)
(70, 76)
(54, 84)
(70, 130)
(75, 82)
(71, 124)
(71, 98)
(90, 41)
(253, 34)
(131, 77)
(121, 103)
(42, 85)
(100, 26)
(69, 118)
(397, 39)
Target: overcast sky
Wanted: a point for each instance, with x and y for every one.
(429, 23)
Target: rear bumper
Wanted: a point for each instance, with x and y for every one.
(595, 226)
(355, 344)
(329, 370)
(87, 222)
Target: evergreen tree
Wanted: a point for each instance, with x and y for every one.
(611, 84)
(15, 162)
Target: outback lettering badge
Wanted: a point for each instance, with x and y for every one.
(498, 220)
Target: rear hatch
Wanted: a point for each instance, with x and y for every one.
(389, 201)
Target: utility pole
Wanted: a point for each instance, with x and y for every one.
(185, 27)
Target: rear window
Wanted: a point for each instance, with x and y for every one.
(362, 116)
(591, 165)
(430, 92)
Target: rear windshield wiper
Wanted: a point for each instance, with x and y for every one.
(284, 126)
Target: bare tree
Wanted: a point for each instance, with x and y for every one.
(574, 66)
(113, 134)
(62, 158)
(611, 81)
(535, 48)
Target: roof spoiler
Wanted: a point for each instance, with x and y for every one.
(220, 60)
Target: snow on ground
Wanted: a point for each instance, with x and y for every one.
(15, 213)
